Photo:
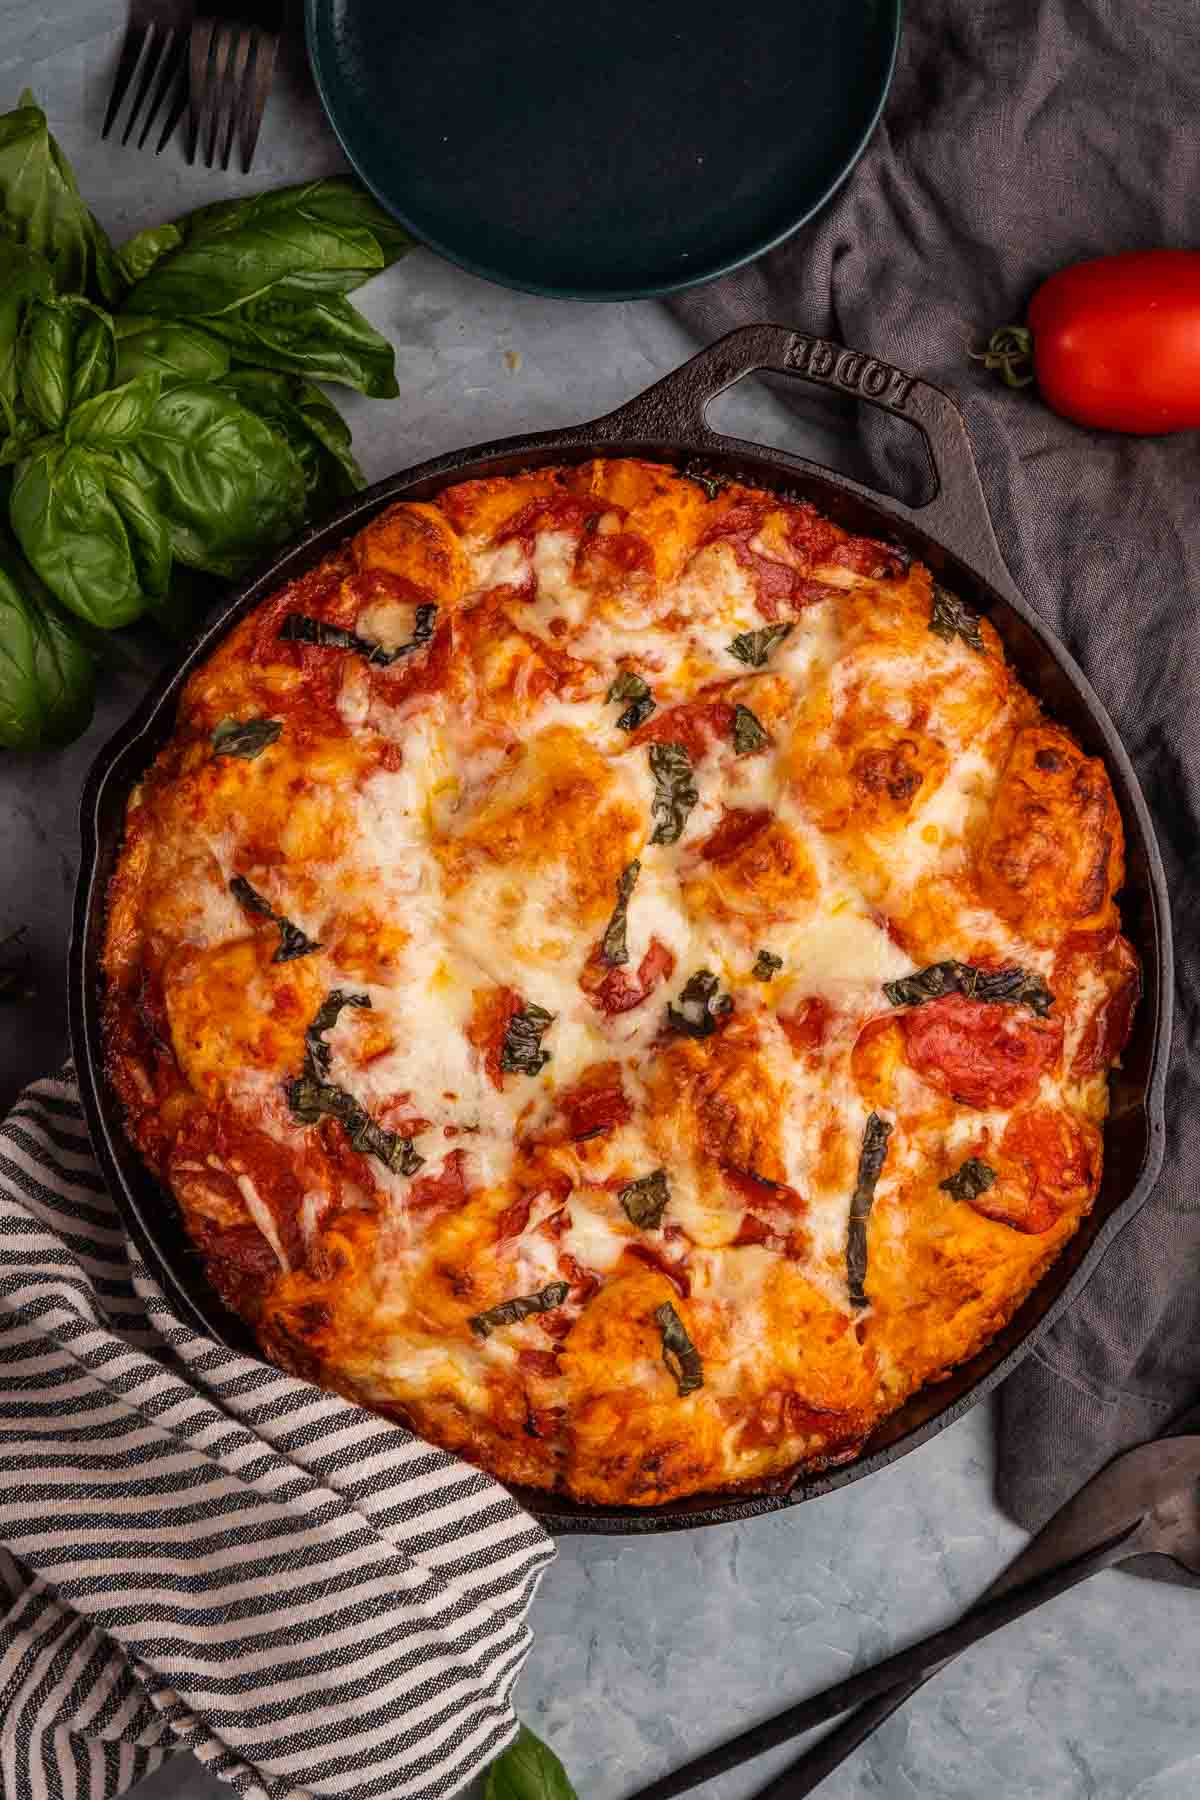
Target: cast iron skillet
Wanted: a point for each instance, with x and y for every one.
(953, 534)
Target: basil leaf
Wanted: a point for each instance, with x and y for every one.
(678, 1351)
(521, 1052)
(675, 791)
(72, 532)
(47, 675)
(527, 1770)
(317, 1051)
(511, 1312)
(949, 619)
(311, 1100)
(754, 647)
(645, 1200)
(766, 965)
(708, 479)
(968, 1182)
(246, 738)
(300, 628)
(629, 686)
(228, 485)
(46, 359)
(613, 947)
(117, 416)
(325, 236)
(146, 530)
(41, 207)
(748, 732)
(312, 425)
(701, 1007)
(65, 355)
(180, 354)
(24, 276)
(16, 969)
(321, 336)
(95, 356)
(1010, 987)
(292, 941)
(870, 1165)
(139, 254)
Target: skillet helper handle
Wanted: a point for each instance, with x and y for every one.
(880, 1684)
(674, 409)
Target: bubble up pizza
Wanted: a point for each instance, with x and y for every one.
(620, 976)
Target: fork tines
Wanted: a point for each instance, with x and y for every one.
(154, 51)
(231, 64)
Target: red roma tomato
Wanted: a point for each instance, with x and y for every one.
(1116, 341)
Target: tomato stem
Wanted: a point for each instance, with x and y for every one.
(1009, 353)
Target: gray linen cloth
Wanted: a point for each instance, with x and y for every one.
(1021, 135)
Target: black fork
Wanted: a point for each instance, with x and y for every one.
(153, 62)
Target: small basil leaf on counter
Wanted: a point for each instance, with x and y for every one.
(969, 1181)
(633, 688)
(1009, 987)
(675, 791)
(766, 965)
(300, 628)
(754, 647)
(523, 1306)
(678, 1351)
(521, 1052)
(870, 1166)
(527, 1770)
(949, 619)
(645, 1200)
(292, 941)
(246, 738)
(700, 1008)
(748, 732)
(613, 947)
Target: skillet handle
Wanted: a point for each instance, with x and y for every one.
(673, 411)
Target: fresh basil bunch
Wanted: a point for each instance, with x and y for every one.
(158, 409)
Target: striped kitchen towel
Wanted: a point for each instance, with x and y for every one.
(201, 1552)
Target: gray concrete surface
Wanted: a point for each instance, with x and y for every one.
(646, 1651)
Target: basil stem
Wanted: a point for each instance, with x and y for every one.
(292, 941)
(870, 1164)
(511, 1312)
(678, 1351)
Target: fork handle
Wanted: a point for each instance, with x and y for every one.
(887, 1685)
(905, 1670)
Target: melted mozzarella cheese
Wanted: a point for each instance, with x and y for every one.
(475, 846)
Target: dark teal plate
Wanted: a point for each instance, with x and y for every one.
(601, 150)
